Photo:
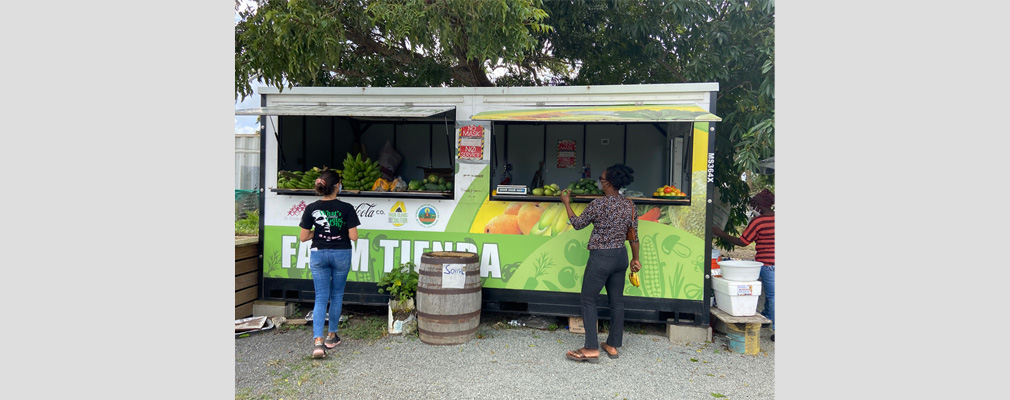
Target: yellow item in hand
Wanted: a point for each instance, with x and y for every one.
(633, 277)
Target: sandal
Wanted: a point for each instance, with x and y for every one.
(578, 355)
(332, 341)
(607, 348)
(318, 351)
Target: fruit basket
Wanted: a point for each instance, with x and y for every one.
(668, 192)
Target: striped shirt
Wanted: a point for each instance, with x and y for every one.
(761, 229)
(611, 216)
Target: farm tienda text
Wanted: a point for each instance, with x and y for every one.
(409, 250)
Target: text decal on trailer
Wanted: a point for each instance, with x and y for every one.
(409, 250)
(711, 167)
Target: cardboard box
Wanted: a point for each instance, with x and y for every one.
(575, 325)
(736, 298)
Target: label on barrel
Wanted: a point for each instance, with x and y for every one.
(453, 276)
(743, 290)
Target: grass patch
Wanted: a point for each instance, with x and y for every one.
(369, 327)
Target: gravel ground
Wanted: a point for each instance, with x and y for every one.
(501, 362)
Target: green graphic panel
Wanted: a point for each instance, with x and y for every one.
(672, 259)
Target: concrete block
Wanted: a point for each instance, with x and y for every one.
(273, 309)
(684, 334)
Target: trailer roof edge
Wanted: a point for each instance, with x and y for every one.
(527, 90)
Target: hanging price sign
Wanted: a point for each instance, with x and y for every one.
(566, 154)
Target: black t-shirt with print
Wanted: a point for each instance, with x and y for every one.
(332, 220)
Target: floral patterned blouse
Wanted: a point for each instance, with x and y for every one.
(611, 216)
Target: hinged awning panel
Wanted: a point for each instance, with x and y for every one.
(347, 110)
(643, 113)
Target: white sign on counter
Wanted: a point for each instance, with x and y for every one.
(453, 276)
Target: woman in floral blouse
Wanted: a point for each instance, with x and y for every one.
(614, 220)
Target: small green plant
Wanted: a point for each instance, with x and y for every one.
(400, 283)
(250, 225)
(552, 327)
(370, 328)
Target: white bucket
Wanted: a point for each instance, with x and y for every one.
(740, 270)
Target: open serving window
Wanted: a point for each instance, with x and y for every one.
(316, 136)
(571, 146)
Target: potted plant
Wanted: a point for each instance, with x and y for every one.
(401, 284)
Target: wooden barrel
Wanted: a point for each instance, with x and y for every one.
(448, 312)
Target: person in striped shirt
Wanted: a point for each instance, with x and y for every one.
(761, 230)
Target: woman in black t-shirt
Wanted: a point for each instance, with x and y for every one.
(331, 224)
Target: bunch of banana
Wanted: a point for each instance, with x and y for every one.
(554, 219)
(298, 179)
(359, 174)
(633, 277)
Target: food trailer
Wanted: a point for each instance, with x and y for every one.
(480, 169)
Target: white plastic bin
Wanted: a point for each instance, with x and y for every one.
(736, 298)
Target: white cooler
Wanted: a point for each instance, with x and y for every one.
(736, 298)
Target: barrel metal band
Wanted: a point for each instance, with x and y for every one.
(443, 317)
(446, 334)
(464, 290)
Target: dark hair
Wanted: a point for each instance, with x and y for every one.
(764, 199)
(620, 175)
(331, 179)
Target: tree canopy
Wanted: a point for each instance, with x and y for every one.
(532, 43)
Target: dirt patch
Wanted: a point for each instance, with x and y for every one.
(739, 253)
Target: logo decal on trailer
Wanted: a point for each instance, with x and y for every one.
(295, 213)
(427, 215)
(398, 214)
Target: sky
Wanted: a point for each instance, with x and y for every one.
(247, 124)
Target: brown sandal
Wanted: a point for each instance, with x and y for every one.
(606, 348)
(578, 355)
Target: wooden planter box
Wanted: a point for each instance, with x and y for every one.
(247, 275)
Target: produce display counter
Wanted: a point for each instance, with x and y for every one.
(665, 201)
(355, 193)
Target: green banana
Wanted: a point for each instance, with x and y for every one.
(545, 226)
(561, 222)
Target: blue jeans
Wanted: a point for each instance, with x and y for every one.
(329, 277)
(768, 286)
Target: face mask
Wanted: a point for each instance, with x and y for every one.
(339, 187)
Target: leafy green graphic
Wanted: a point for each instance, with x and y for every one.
(272, 264)
(542, 264)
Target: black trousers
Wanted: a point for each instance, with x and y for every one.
(605, 267)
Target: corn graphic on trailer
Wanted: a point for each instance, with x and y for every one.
(421, 166)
